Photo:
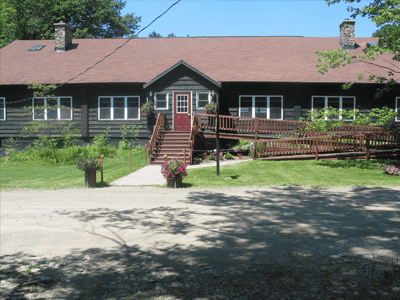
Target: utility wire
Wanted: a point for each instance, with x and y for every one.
(108, 55)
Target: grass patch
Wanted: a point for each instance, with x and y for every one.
(303, 173)
(39, 176)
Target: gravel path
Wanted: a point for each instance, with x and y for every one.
(241, 243)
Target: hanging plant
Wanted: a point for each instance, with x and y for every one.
(146, 108)
(210, 108)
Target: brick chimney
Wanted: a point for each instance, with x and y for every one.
(347, 36)
(63, 34)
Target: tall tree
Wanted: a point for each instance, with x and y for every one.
(33, 20)
(386, 15)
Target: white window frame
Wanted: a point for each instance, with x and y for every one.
(397, 102)
(340, 105)
(155, 101)
(253, 111)
(197, 99)
(112, 108)
(58, 108)
(2, 99)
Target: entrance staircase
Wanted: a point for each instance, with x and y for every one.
(171, 144)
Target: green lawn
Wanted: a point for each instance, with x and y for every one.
(31, 175)
(304, 173)
(27, 175)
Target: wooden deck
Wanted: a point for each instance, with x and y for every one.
(287, 138)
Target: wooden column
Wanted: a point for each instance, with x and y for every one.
(84, 113)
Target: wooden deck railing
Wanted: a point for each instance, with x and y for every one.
(326, 144)
(278, 127)
(160, 122)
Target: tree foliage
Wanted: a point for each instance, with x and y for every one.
(330, 117)
(155, 35)
(386, 15)
(33, 20)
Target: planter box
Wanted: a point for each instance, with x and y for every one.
(90, 178)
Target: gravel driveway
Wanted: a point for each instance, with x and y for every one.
(240, 243)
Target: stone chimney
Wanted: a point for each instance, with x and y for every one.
(347, 36)
(63, 34)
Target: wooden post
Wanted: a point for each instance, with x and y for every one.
(130, 161)
(255, 150)
(102, 159)
(162, 116)
(256, 129)
(367, 145)
(316, 148)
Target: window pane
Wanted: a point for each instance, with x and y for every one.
(105, 108)
(335, 103)
(161, 100)
(275, 104)
(318, 102)
(182, 104)
(348, 103)
(133, 107)
(261, 107)
(2, 109)
(202, 99)
(246, 104)
(39, 108)
(65, 109)
(119, 108)
(51, 107)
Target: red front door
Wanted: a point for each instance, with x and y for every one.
(182, 111)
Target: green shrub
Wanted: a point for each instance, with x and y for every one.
(228, 156)
(243, 144)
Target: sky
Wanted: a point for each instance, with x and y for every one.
(312, 18)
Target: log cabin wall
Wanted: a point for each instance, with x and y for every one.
(297, 97)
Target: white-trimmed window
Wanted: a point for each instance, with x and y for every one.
(2, 109)
(397, 102)
(202, 99)
(161, 101)
(268, 107)
(119, 108)
(338, 103)
(52, 108)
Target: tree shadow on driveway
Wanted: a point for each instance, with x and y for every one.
(254, 243)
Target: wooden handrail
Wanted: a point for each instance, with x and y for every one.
(193, 134)
(327, 143)
(281, 127)
(156, 130)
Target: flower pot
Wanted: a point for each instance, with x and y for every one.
(90, 178)
(175, 183)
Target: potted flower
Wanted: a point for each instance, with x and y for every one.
(173, 171)
(89, 166)
(210, 108)
(146, 109)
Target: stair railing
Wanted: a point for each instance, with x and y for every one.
(193, 134)
(156, 129)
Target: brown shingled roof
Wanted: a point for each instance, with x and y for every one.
(223, 59)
